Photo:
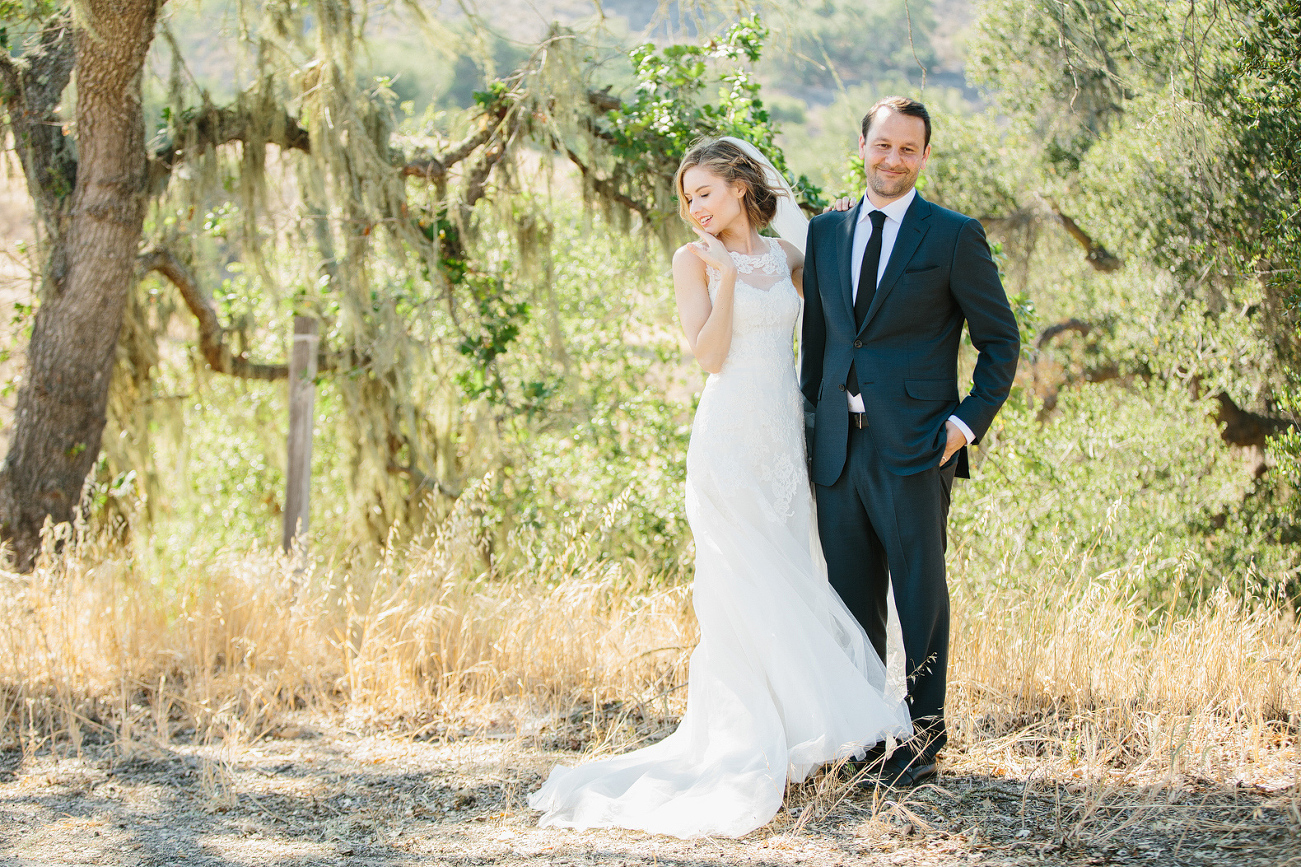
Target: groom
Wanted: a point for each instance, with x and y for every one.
(887, 287)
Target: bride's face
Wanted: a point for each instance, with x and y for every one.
(712, 202)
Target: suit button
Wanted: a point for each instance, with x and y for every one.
(858, 344)
(841, 386)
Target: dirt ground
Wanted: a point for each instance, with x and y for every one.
(318, 793)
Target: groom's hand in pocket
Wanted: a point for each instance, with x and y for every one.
(955, 439)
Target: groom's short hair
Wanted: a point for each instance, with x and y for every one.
(902, 105)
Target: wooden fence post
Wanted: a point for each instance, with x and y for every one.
(302, 397)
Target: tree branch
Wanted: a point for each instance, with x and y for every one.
(211, 126)
(603, 100)
(32, 89)
(1243, 427)
(477, 182)
(212, 341)
(1078, 326)
(1098, 257)
(1239, 427)
(1094, 253)
(435, 168)
(468, 145)
(606, 188)
(1016, 219)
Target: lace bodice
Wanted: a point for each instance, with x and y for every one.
(748, 428)
(765, 307)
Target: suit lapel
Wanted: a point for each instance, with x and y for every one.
(916, 222)
(844, 240)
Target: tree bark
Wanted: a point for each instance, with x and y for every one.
(61, 409)
(31, 89)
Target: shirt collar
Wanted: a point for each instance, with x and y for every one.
(893, 211)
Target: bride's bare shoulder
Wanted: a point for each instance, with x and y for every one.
(686, 257)
(688, 268)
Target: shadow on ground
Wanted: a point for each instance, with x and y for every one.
(334, 797)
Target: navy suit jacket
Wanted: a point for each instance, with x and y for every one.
(940, 274)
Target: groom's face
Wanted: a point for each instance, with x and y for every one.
(894, 152)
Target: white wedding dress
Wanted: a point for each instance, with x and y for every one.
(784, 679)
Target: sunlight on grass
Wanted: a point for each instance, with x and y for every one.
(1072, 680)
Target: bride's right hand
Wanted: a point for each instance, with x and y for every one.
(844, 203)
(711, 251)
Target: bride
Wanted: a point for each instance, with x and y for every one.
(784, 680)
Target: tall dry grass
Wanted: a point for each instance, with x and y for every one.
(1067, 676)
(91, 642)
(1078, 681)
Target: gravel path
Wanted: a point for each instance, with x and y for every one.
(320, 794)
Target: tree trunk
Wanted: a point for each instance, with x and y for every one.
(61, 407)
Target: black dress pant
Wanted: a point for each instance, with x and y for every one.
(875, 526)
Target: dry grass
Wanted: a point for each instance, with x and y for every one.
(92, 643)
(1077, 681)
(1072, 684)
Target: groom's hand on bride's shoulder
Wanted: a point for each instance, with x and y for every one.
(844, 203)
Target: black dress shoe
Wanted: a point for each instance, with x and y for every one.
(900, 771)
(870, 763)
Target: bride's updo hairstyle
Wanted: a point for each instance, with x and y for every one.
(727, 161)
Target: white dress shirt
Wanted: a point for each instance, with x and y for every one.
(894, 213)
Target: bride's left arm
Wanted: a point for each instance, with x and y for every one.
(795, 259)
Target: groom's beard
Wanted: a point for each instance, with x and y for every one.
(890, 188)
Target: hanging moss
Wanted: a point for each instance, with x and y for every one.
(327, 217)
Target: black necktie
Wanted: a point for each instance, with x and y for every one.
(866, 285)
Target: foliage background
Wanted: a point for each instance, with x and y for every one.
(498, 542)
(552, 375)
